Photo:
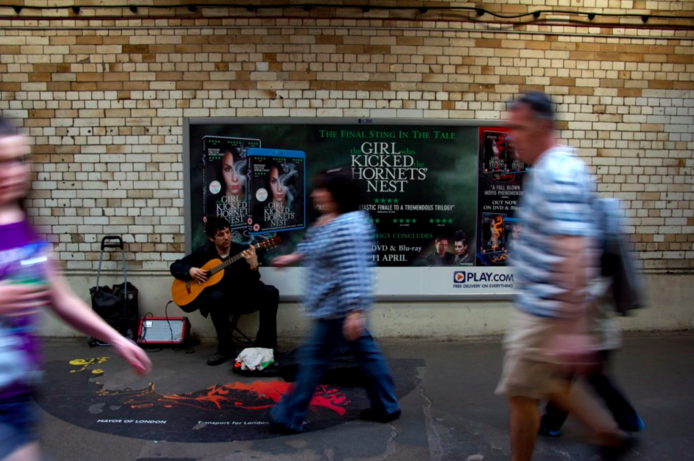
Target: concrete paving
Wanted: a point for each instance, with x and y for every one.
(450, 411)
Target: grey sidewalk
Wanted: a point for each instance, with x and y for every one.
(450, 411)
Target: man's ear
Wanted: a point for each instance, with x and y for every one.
(549, 126)
(211, 239)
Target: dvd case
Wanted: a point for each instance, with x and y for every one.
(277, 190)
(225, 178)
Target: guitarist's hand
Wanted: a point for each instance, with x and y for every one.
(198, 275)
(251, 257)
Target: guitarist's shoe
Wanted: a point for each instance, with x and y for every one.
(218, 359)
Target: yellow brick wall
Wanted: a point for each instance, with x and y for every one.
(103, 100)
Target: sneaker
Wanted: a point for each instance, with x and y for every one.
(282, 429)
(545, 427)
(631, 425)
(549, 432)
(377, 416)
(218, 359)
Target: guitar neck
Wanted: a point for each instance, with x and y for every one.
(228, 262)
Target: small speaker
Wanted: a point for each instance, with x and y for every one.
(163, 330)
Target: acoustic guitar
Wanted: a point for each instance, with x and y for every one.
(184, 292)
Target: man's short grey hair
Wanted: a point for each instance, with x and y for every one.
(539, 103)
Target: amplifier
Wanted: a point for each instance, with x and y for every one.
(163, 330)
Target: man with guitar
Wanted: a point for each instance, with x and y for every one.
(239, 290)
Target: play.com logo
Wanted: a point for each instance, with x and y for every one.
(460, 277)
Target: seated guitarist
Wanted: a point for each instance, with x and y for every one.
(239, 291)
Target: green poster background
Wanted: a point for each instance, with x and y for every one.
(420, 181)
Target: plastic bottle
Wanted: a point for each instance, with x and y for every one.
(31, 270)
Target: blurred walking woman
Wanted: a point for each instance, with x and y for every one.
(337, 253)
(30, 282)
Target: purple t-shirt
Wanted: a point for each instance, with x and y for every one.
(23, 259)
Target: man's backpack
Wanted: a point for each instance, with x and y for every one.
(628, 284)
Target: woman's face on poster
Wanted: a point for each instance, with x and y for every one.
(459, 248)
(232, 180)
(279, 192)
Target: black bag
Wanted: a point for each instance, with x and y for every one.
(117, 305)
(627, 289)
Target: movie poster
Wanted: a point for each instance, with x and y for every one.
(419, 185)
(225, 179)
(277, 190)
(501, 176)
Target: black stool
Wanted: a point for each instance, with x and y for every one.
(235, 329)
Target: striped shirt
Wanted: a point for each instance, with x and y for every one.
(339, 266)
(558, 200)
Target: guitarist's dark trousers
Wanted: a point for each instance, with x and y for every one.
(221, 306)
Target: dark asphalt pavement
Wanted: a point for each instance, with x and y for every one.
(194, 412)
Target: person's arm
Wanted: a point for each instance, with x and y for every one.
(352, 253)
(245, 271)
(181, 268)
(570, 273)
(287, 260)
(17, 300)
(573, 257)
(251, 258)
(572, 345)
(73, 311)
(188, 268)
(571, 231)
(296, 256)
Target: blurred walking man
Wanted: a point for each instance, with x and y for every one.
(556, 256)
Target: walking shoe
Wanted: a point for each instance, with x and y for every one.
(282, 429)
(549, 432)
(218, 359)
(377, 416)
(630, 424)
(640, 425)
(545, 427)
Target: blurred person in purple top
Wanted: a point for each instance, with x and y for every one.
(338, 255)
(30, 281)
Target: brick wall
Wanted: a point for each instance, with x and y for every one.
(102, 100)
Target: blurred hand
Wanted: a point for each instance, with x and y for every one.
(574, 353)
(251, 257)
(198, 275)
(354, 327)
(17, 300)
(131, 353)
(286, 260)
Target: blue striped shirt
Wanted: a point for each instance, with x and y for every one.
(558, 200)
(339, 266)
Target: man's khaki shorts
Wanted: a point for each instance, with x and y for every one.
(528, 370)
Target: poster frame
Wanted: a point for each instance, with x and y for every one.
(380, 297)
